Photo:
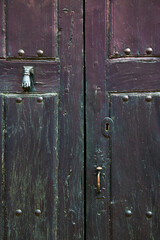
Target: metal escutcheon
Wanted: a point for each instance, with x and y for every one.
(107, 126)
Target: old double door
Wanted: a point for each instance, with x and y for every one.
(79, 107)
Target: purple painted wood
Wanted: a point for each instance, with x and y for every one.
(71, 121)
(2, 29)
(133, 74)
(97, 107)
(46, 76)
(135, 166)
(2, 187)
(31, 26)
(31, 163)
(135, 24)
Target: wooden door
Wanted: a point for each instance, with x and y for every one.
(122, 117)
(41, 143)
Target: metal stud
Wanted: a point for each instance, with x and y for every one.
(40, 99)
(149, 214)
(18, 212)
(149, 98)
(21, 52)
(149, 51)
(128, 213)
(18, 99)
(127, 51)
(40, 53)
(38, 212)
(66, 90)
(116, 54)
(125, 98)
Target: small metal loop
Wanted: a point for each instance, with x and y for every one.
(107, 126)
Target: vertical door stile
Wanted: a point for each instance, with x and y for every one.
(97, 108)
(71, 121)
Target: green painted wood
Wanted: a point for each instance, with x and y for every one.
(30, 155)
(135, 166)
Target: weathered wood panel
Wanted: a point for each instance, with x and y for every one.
(71, 119)
(1, 169)
(97, 107)
(31, 166)
(31, 26)
(135, 166)
(133, 74)
(2, 29)
(135, 25)
(46, 76)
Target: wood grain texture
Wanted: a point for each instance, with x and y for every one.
(31, 167)
(71, 120)
(97, 107)
(135, 166)
(135, 24)
(1, 169)
(133, 74)
(2, 29)
(31, 25)
(46, 76)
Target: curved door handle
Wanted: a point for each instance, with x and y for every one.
(99, 169)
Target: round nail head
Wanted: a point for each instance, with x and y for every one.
(128, 213)
(38, 212)
(40, 99)
(125, 98)
(21, 52)
(18, 212)
(149, 98)
(99, 168)
(149, 214)
(116, 54)
(40, 53)
(149, 50)
(18, 99)
(66, 90)
(127, 51)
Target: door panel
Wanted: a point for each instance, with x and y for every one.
(46, 76)
(133, 74)
(135, 24)
(135, 166)
(31, 26)
(30, 160)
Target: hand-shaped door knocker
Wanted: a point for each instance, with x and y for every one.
(26, 81)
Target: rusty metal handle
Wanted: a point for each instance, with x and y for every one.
(99, 169)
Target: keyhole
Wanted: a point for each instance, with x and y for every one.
(107, 127)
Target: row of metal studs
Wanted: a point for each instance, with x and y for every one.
(19, 99)
(127, 51)
(126, 98)
(19, 212)
(128, 213)
(21, 52)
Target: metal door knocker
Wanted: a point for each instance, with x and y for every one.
(27, 81)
